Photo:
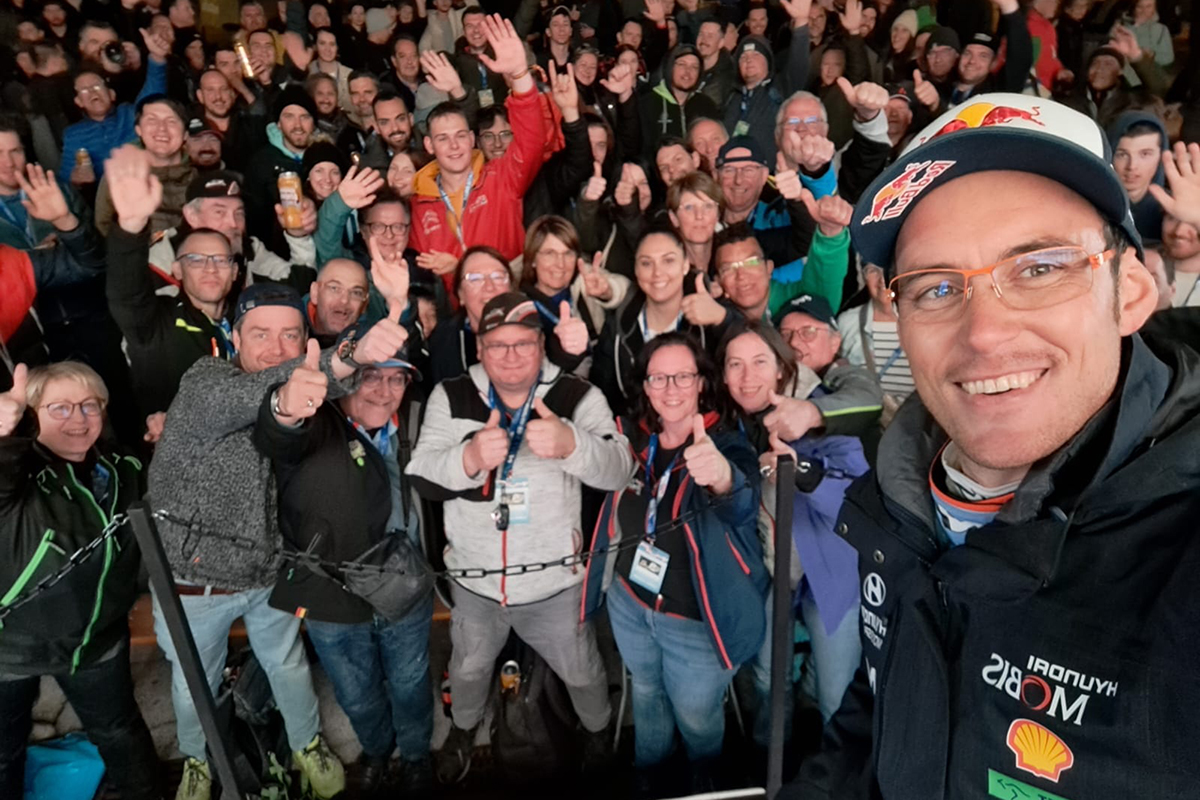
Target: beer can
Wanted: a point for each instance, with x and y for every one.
(510, 676)
(82, 158)
(290, 196)
(355, 157)
(244, 57)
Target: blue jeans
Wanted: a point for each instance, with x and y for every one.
(835, 656)
(761, 666)
(678, 680)
(361, 658)
(274, 638)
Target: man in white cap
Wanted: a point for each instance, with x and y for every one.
(1025, 542)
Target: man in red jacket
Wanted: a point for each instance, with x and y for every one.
(459, 200)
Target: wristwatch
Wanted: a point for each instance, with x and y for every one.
(345, 351)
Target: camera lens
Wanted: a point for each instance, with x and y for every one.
(114, 52)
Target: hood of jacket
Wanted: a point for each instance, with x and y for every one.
(275, 137)
(1118, 128)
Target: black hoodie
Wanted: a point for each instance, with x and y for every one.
(1147, 213)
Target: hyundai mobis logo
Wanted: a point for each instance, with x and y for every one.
(1052, 689)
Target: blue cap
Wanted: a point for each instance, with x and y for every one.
(268, 294)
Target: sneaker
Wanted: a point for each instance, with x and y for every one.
(416, 778)
(320, 769)
(454, 759)
(196, 783)
(597, 748)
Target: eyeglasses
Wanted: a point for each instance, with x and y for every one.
(795, 123)
(199, 261)
(557, 255)
(806, 333)
(745, 173)
(476, 279)
(682, 380)
(395, 229)
(752, 263)
(490, 138)
(63, 411)
(374, 378)
(523, 349)
(95, 88)
(357, 293)
(1026, 282)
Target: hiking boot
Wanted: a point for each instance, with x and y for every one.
(416, 778)
(196, 783)
(319, 769)
(454, 759)
(372, 772)
(597, 748)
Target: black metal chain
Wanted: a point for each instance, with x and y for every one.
(302, 557)
(73, 562)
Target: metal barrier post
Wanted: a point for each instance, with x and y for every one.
(782, 625)
(163, 583)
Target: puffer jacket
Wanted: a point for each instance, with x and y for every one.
(49, 508)
(1048, 655)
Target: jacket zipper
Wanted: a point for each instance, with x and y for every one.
(108, 558)
(39, 555)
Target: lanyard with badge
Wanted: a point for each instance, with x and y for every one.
(486, 96)
(459, 218)
(650, 562)
(513, 492)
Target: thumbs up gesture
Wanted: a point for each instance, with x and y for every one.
(705, 462)
(595, 277)
(926, 92)
(787, 180)
(867, 99)
(548, 435)
(791, 418)
(571, 331)
(594, 189)
(770, 459)
(701, 308)
(487, 448)
(305, 389)
(12, 402)
(390, 276)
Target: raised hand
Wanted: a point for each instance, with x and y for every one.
(705, 462)
(791, 418)
(926, 93)
(358, 188)
(381, 341)
(436, 262)
(308, 219)
(1182, 167)
(852, 17)
(787, 180)
(487, 449)
(656, 11)
(797, 10)
(506, 44)
(13, 402)
(571, 331)
(44, 199)
(158, 47)
(700, 308)
(390, 276)
(831, 213)
(1125, 42)
(595, 278)
(564, 91)
(155, 424)
(867, 99)
(619, 81)
(594, 189)
(548, 436)
(440, 73)
(293, 45)
(136, 192)
(305, 389)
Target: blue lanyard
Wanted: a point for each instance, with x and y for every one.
(891, 360)
(745, 103)
(482, 74)
(450, 206)
(516, 428)
(382, 438)
(644, 322)
(545, 312)
(660, 489)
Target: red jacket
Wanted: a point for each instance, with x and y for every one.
(495, 208)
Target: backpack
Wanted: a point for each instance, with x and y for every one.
(533, 728)
(254, 728)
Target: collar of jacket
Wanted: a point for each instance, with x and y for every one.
(425, 181)
(275, 137)
(663, 91)
(1062, 490)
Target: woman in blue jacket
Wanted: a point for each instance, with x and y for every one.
(687, 583)
(758, 364)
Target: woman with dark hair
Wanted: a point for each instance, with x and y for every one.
(760, 371)
(322, 170)
(685, 602)
(558, 279)
(481, 274)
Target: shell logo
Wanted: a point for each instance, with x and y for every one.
(1038, 750)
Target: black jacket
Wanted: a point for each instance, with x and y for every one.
(333, 484)
(1052, 648)
(164, 335)
(49, 508)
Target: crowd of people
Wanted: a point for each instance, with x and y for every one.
(492, 285)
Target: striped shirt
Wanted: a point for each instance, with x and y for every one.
(891, 362)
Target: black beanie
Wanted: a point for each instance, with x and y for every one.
(293, 95)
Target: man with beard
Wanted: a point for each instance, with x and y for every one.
(161, 130)
(717, 73)
(236, 125)
(330, 119)
(364, 87)
(674, 102)
(394, 121)
(288, 137)
(204, 145)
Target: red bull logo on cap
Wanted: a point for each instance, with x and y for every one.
(983, 115)
(895, 196)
